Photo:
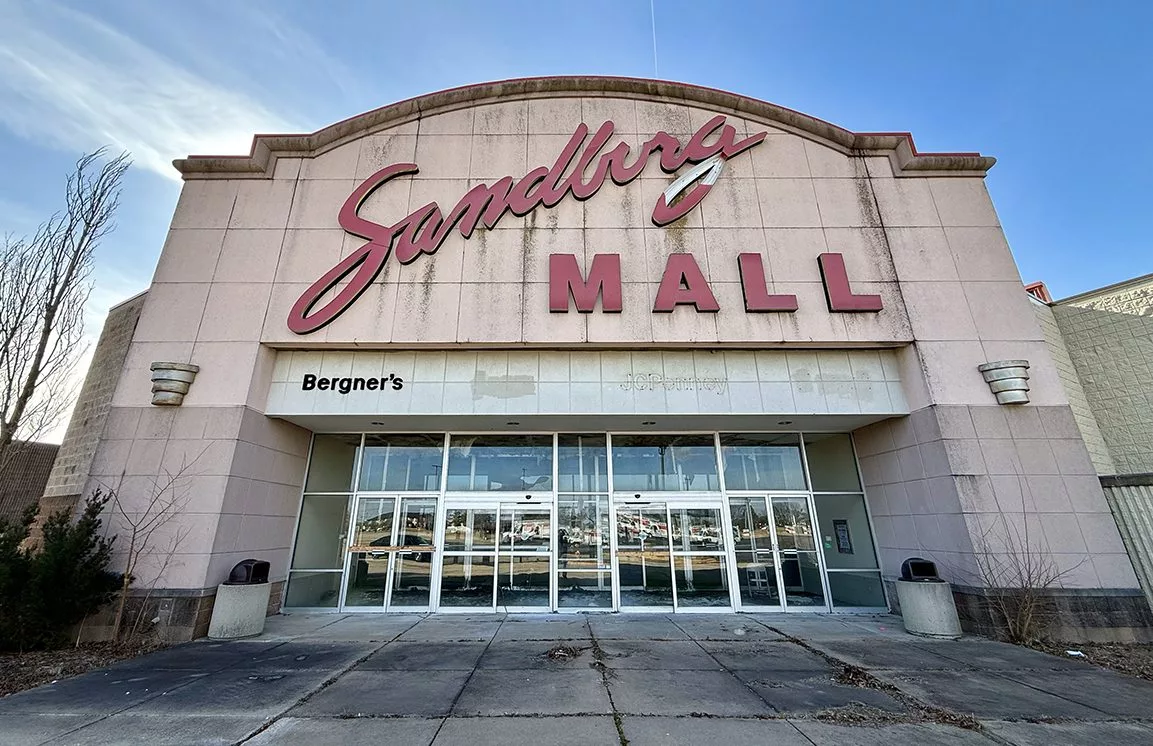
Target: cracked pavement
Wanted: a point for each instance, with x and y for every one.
(587, 679)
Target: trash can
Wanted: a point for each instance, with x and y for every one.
(241, 602)
(927, 606)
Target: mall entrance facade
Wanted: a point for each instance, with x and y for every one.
(572, 522)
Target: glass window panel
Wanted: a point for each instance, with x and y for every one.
(793, 524)
(857, 589)
(373, 527)
(583, 531)
(752, 531)
(757, 576)
(525, 529)
(401, 463)
(702, 580)
(470, 529)
(669, 463)
(832, 466)
(643, 557)
(845, 534)
(467, 581)
(501, 463)
(696, 529)
(769, 461)
(523, 581)
(312, 590)
(411, 580)
(320, 538)
(801, 574)
(417, 524)
(367, 577)
(582, 463)
(330, 466)
(585, 590)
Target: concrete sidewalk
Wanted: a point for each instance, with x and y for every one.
(596, 679)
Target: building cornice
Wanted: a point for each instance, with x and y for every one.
(897, 146)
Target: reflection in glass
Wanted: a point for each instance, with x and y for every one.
(320, 536)
(832, 465)
(856, 589)
(583, 531)
(794, 525)
(769, 461)
(312, 589)
(330, 465)
(401, 463)
(801, 574)
(800, 567)
(468, 529)
(367, 579)
(523, 581)
(589, 590)
(671, 463)
(373, 527)
(753, 542)
(696, 529)
(415, 530)
(582, 463)
(643, 556)
(372, 535)
(411, 581)
(702, 580)
(501, 463)
(467, 581)
(525, 529)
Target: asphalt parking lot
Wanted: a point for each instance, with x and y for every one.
(587, 679)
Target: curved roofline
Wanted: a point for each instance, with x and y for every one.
(267, 148)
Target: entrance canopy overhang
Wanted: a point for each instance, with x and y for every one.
(338, 423)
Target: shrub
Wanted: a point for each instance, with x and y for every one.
(46, 591)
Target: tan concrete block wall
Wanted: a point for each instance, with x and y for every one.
(1078, 401)
(1110, 341)
(74, 461)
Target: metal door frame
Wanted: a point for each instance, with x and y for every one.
(706, 500)
(500, 502)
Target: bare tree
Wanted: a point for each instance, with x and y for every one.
(1017, 573)
(44, 286)
(139, 524)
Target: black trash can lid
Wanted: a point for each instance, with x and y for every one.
(918, 568)
(248, 572)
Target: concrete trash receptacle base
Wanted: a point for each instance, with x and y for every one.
(927, 609)
(239, 611)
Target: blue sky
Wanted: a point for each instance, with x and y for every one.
(1059, 92)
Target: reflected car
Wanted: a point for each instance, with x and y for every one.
(408, 540)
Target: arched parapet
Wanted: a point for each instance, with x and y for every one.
(897, 146)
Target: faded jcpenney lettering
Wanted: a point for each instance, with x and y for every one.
(425, 229)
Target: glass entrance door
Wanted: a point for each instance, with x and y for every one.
(776, 552)
(390, 554)
(672, 555)
(754, 544)
(497, 555)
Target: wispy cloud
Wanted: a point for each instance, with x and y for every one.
(17, 218)
(71, 81)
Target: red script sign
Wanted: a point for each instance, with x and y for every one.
(426, 228)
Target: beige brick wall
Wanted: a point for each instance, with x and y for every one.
(70, 472)
(1078, 401)
(1109, 337)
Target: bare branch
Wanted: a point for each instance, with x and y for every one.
(44, 286)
